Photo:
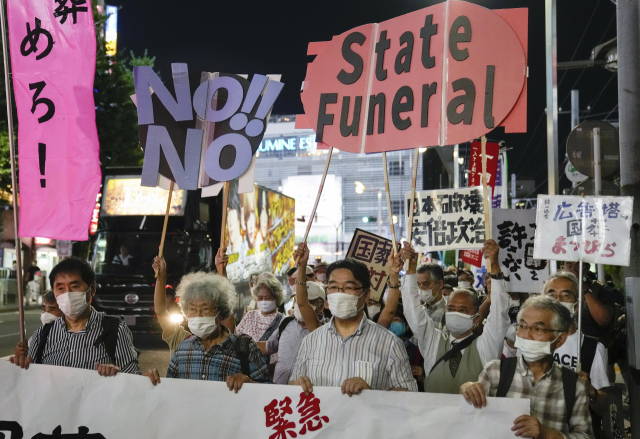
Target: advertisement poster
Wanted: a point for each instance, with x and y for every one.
(125, 196)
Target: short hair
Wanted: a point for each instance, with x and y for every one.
(467, 272)
(451, 279)
(73, 265)
(291, 271)
(562, 319)
(271, 283)
(357, 268)
(564, 275)
(210, 287)
(435, 271)
(447, 287)
(49, 297)
(475, 300)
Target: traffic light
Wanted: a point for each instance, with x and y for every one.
(369, 219)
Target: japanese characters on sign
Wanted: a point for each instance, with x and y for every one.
(448, 219)
(472, 257)
(475, 164)
(308, 409)
(53, 57)
(514, 230)
(373, 251)
(591, 229)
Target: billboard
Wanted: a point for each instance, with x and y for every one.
(123, 195)
(260, 233)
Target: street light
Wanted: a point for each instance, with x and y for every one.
(360, 188)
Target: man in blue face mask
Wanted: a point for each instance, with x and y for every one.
(458, 356)
(559, 401)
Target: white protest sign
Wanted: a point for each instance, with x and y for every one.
(40, 399)
(63, 248)
(591, 229)
(448, 219)
(514, 230)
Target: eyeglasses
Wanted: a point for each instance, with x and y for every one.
(348, 290)
(562, 297)
(537, 330)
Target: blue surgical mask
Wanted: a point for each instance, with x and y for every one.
(398, 328)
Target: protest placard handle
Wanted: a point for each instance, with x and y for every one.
(414, 177)
(579, 366)
(485, 197)
(225, 203)
(166, 221)
(386, 185)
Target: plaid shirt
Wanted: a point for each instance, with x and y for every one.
(192, 362)
(546, 396)
(437, 312)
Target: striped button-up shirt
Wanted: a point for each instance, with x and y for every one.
(372, 353)
(546, 396)
(76, 349)
(192, 362)
(287, 347)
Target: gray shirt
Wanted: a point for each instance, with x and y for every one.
(287, 349)
(372, 353)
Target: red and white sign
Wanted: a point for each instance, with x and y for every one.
(472, 257)
(475, 164)
(441, 75)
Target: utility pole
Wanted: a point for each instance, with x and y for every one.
(551, 56)
(575, 108)
(628, 16)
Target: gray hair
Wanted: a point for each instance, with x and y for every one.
(271, 283)
(564, 275)
(562, 319)
(475, 300)
(434, 270)
(213, 288)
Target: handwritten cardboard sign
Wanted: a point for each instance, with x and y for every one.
(373, 251)
(445, 74)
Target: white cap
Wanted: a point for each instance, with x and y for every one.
(309, 271)
(315, 291)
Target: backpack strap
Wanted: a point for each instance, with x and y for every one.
(283, 324)
(242, 350)
(272, 327)
(588, 352)
(569, 380)
(507, 372)
(44, 336)
(457, 347)
(109, 336)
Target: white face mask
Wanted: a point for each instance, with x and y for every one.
(266, 305)
(202, 326)
(321, 277)
(570, 306)
(508, 351)
(73, 303)
(297, 314)
(458, 323)
(464, 284)
(343, 305)
(426, 295)
(47, 317)
(515, 303)
(373, 310)
(534, 350)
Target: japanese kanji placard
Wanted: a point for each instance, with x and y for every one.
(591, 229)
(472, 257)
(514, 230)
(447, 219)
(373, 251)
(129, 406)
(53, 58)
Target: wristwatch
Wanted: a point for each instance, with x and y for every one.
(497, 276)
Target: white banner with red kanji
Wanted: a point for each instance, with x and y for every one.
(80, 403)
(590, 229)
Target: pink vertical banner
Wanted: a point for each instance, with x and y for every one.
(53, 57)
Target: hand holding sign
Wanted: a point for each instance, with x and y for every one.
(491, 249)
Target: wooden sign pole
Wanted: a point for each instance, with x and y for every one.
(315, 205)
(166, 221)
(386, 185)
(416, 157)
(485, 196)
(225, 203)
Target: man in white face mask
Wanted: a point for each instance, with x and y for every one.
(559, 401)
(457, 356)
(350, 351)
(430, 283)
(50, 312)
(563, 286)
(320, 272)
(72, 341)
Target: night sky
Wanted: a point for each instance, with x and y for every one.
(272, 37)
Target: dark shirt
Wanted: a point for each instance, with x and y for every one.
(589, 326)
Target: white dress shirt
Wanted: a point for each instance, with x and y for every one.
(489, 344)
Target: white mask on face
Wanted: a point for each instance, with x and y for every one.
(570, 306)
(321, 277)
(464, 284)
(73, 303)
(458, 323)
(343, 305)
(297, 314)
(373, 310)
(508, 351)
(266, 305)
(534, 350)
(47, 317)
(202, 326)
(426, 295)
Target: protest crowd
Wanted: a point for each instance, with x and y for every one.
(432, 332)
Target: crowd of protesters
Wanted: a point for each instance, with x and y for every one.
(432, 332)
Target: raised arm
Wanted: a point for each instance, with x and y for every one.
(222, 260)
(302, 298)
(160, 298)
(386, 315)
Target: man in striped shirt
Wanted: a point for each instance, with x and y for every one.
(351, 351)
(83, 337)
